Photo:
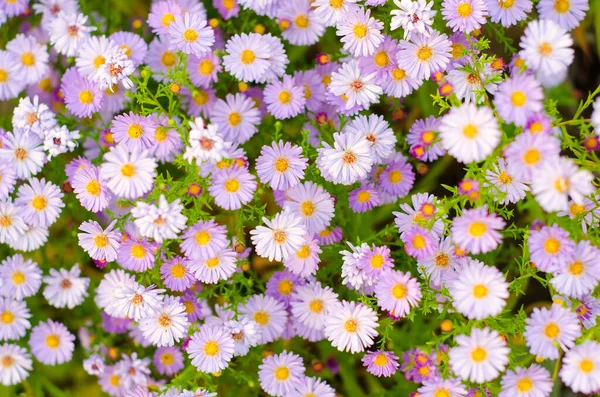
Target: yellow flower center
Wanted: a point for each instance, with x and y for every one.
(480, 291)
(282, 373)
(524, 384)
(168, 59)
(138, 251)
(337, 4)
(99, 61)
(477, 229)
(248, 57)
(167, 19)
(203, 238)
(135, 131)
(101, 241)
(18, 278)
(128, 170)
(506, 4)
(360, 30)
(316, 306)
(190, 35)
(114, 380)
(363, 196)
(518, 98)
(52, 341)
(424, 53)
(561, 184)
(395, 176)
(86, 97)
(281, 164)
(377, 261)
(164, 320)
(470, 131)
(3, 75)
(232, 185)
(381, 360)
(285, 97)
(27, 59)
(464, 10)
(504, 178)
(545, 49)
(441, 393)
(381, 59)
(562, 6)
(478, 354)
(228, 4)
(399, 291)
(586, 365)
(234, 118)
(552, 245)
(301, 21)
(206, 67)
(308, 208)
(211, 348)
(39, 203)
(285, 287)
(279, 236)
(261, 318)
(442, 260)
(303, 252)
(167, 358)
(576, 268)
(7, 317)
(350, 325)
(419, 242)
(551, 330)
(212, 262)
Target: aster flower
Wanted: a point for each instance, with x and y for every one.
(205, 143)
(502, 177)
(15, 364)
(25, 151)
(348, 161)
(358, 88)
(526, 382)
(245, 332)
(397, 178)
(419, 242)
(40, 202)
(191, 34)
(469, 133)
(546, 47)
(281, 238)
(581, 367)
(351, 326)
(12, 225)
(136, 255)
(65, 288)
(378, 132)
(20, 278)
(51, 343)
(14, 319)
(116, 69)
(168, 360)
(314, 89)
(518, 97)
(311, 203)
(508, 12)
(203, 70)
(332, 12)
(567, 14)
(548, 329)
(34, 116)
(314, 386)
(176, 274)
(281, 165)
(160, 59)
(237, 118)
(60, 140)
(479, 357)
(162, 14)
(397, 293)
(161, 220)
(68, 32)
(134, 132)
(91, 189)
(92, 54)
(421, 212)
(133, 300)
(450, 387)
(361, 33)
(248, 57)
(305, 26)
(280, 373)
(550, 248)
(581, 275)
(268, 313)
(412, 16)
(464, 15)
(559, 180)
(82, 96)
(380, 363)
(221, 266)
(168, 323)
(11, 85)
(440, 263)
(131, 45)
(306, 259)
(203, 240)
(477, 231)
(424, 54)
(232, 187)
(129, 174)
(99, 243)
(478, 291)
(528, 153)
(284, 98)
(363, 199)
(311, 304)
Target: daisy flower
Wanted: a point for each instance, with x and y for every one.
(279, 374)
(477, 231)
(550, 248)
(528, 154)
(526, 382)
(546, 47)
(92, 55)
(378, 132)
(547, 330)
(268, 313)
(332, 12)
(421, 212)
(245, 333)
(191, 34)
(312, 203)
(306, 259)
(115, 70)
(375, 262)
(440, 263)
(160, 59)
(7, 179)
(65, 288)
(221, 266)
(397, 178)
(205, 143)
(424, 54)
(10, 83)
(284, 98)
(168, 360)
(136, 255)
(99, 243)
(469, 133)
(351, 326)
(167, 325)
(82, 96)
(14, 319)
(305, 26)
(559, 180)
(354, 86)
(129, 174)
(419, 242)
(40, 202)
(280, 238)
(162, 14)
(203, 240)
(312, 386)
(161, 220)
(363, 199)
(31, 57)
(15, 364)
(68, 32)
(248, 57)
(464, 15)
(203, 70)
(12, 225)
(312, 303)
(503, 177)
(237, 118)
(176, 274)
(136, 301)
(314, 89)
(232, 187)
(51, 343)
(518, 98)
(20, 278)
(397, 293)
(582, 274)
(348, 161)
(132, 45)
(380, 363)
(25, 151)
(508, 12)
(91, 189)
(479, 357)
(361, 33)
(566, 13)
(478, 291)
(581, 367)
(281, 165)
(134, 132)
(438, 387)
(412, 16)
(33, 116)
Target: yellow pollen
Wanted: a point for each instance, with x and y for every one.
(442, 260)
(101, 241)
(506, 4)
(586, 365)
(189, 307)
(303, 252)
(285, 287)
(212, 262)
(576, 209)
(285, 97)
(301, 21)
(128, 170)
(561, 184)
(399, 291)
(206, 67)
(377, 261)
(99, 61)
(398, 74)
(480, 291)
(168, 59)
(261, 318)
(3, 75)
(576, 268)
(381, 59)
(160, 134)
(232, 185)
(518, 98)
(424, 371)
(279, 236)
(135, 131)
(477, 229)
(203, 238)
(562, 6)
(201, 98)
(470, 131)
(424, 53)
(138, 251)
(7, 317)
(167, 19)
(457, 50)
(360, 30)
(281, 164)
(211, 348)
(464, 10)
(381, 360)
(18, 278)
(363, 196)
(478, 354)
(351, 326)
(228, 4)
(86, 97)
(282, 373)
(114, 380)
(551, 331)
(524, 384)
(164, 320)
(348, 157)
(127, 50)
(46, 85)
(532, 156)
(39, 203)
(552, 245)
(441, 393)
(248, 57)
(545, 49)
(178, 271)
(337, 4)
(190, 35)
(504, 178)
(234, 118)
(419, 242)
(316, 306)
(52, 341)
(27, 59)
(5, 221)
(308, 208)
(395, 176)
(167, 358)
(7, 361)
(20, 154)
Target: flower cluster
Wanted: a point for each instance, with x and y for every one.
(268, 196)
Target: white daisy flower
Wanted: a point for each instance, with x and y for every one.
(205, 143)
(581, 367)
(33, 116)
(333, 11)
(10, 83)
(312, 303)
(64, 288)
(546, 47)
(15, 362)
(378, 132)
(31, 57)
(352, 85)
(129, 174)
(68, 32)
(19, 278)
(60, 140)
(280, 238)
(424, 54)
(100, 244)
(25, 151)
(92, 55)
(351, 326)
(137, 302)
(12, 224)
(14, 316)
(160, 221)
(107, 290)
(360, 33)
(312, 203)
(270, 314)
(167, 324)
(412, 16)
(245, 332)
(40, 202)
(348, 161)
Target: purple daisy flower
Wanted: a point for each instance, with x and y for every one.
(81, 95)
(136, 255)
(279, 374)
(195, 309)
(382, 61)
(375, 262)
(203, 240)
(508, 12)
(51, 343)
(232, 187)
(330, 235)
(91, 189)
(398, 177)
(134, 132)
(237, 118)
(176, 274)
(424, 134)
(191, 34)
(168, 360)
(464, 15)
(419, 242)
(518, 98)
(281, 165)
(203, 70)
(529, 152)
(314, 89)
(381, 363)
(282, 286)
(227, 8)
(547, 330)
(397, 293)
(115, 325)
(284, 98)
(477, 231)
(363, 199)
(551, 249)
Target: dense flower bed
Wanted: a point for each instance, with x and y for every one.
(298, 198)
